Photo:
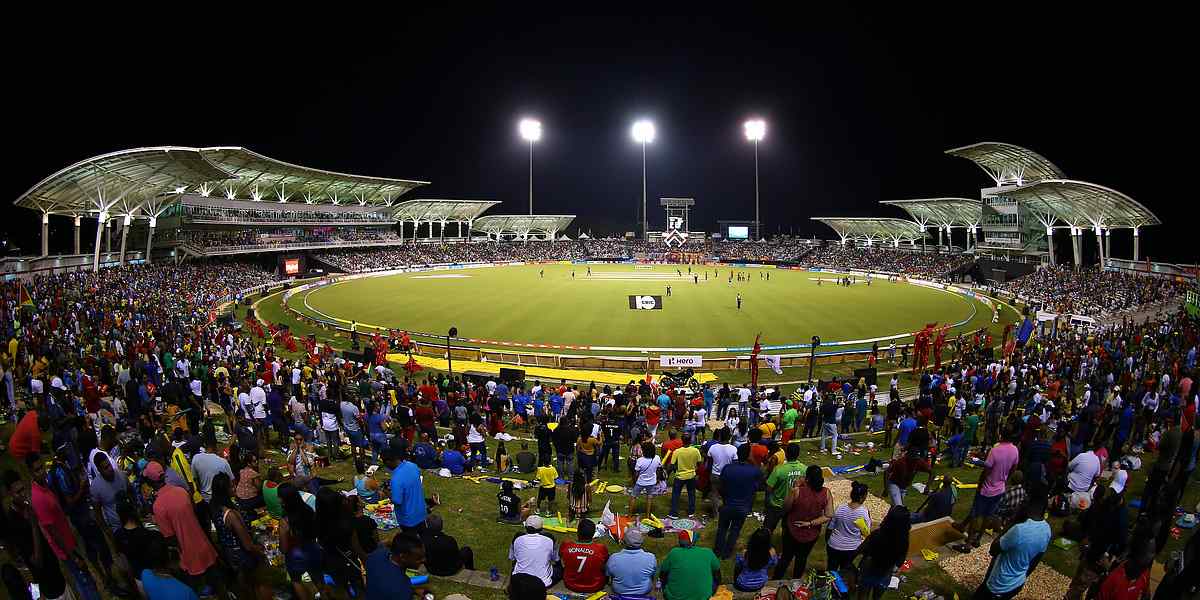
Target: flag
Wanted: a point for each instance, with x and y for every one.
(1025, 331)
(774, 362)
(26, 299)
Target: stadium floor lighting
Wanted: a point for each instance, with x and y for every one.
(531, 131)
(643, 133)
(756, 130)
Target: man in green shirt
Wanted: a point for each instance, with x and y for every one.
(789, 418)
(684, 459)
(969, 428)
(688, 572)
(779, 482)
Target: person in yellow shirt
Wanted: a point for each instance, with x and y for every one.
(768, 429)
(546, 476)
(684, 460)
(12, 352)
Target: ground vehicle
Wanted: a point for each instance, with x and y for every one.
(679, 379)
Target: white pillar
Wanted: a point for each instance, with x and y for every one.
(1050, 245)
(1100, 244)
(108, 236)
(939, 239)
(124, 236)
(1077, 246)
(45, 234)
(77, 224)
(1107, 243)
(1136, 239)
(150, 241)
(442, 232)
(100, 220)
(401, 231)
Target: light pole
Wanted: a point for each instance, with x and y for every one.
(643, 133)
(756, 130)
(449, 359)
(531, 131)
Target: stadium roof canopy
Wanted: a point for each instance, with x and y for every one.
(1007, 164)
(871, 229)
(258, 177)
(1082, 204)
(425, 210)
(121, 182)
(522, 225)
(151, 178)
(943, 212)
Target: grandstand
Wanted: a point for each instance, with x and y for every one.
(201, 202)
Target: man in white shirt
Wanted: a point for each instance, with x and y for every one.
(722, 453)
(533, 553)
(258, 402)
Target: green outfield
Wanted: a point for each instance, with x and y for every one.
(563, 304)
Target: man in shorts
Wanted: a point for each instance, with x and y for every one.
(1001, 460)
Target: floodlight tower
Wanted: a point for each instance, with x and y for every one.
(756, 130)
(643, 133)
(531, 131)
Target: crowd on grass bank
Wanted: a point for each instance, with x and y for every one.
(142, 425)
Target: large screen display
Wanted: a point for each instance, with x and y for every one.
(291, 266)
(739, 233)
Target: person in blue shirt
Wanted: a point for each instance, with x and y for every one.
(906, 427)
(424, 454)
(556, 405)
(387, 568)
(1017, 553)
(1124, 425)
(709, 396)
(157, 579)
(664, 401)
(739, 482)
(407, 491)
(539, 407)
(454, 461)
(375, 424)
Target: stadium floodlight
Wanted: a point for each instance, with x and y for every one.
(756, 130)
(643, 133)
(531, 131)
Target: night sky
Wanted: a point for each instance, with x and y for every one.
(860, 107)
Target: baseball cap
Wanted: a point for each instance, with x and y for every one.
(533, 522)
(1120, 477)
(634, 538)
(153, 471)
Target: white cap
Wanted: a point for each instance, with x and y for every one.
(533, 522)
(1120, 477)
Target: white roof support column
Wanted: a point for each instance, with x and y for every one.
(77, 224)
(102, 218)
(125, 235)
(1137, 238)
(45, 234)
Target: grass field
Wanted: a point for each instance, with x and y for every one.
(567, 306)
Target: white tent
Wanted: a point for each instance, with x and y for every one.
(565, 238)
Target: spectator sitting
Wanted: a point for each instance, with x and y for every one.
(939, 504)
(510, 504)
(365, 485)
(249, 487)
(454, 460)
(689, 571)
(632, 569)
(386, 567)
(532, 553)
(584, 560)
(270, 492)
(424, 455)
(752, 567)
(443, 557)
(525, 461)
